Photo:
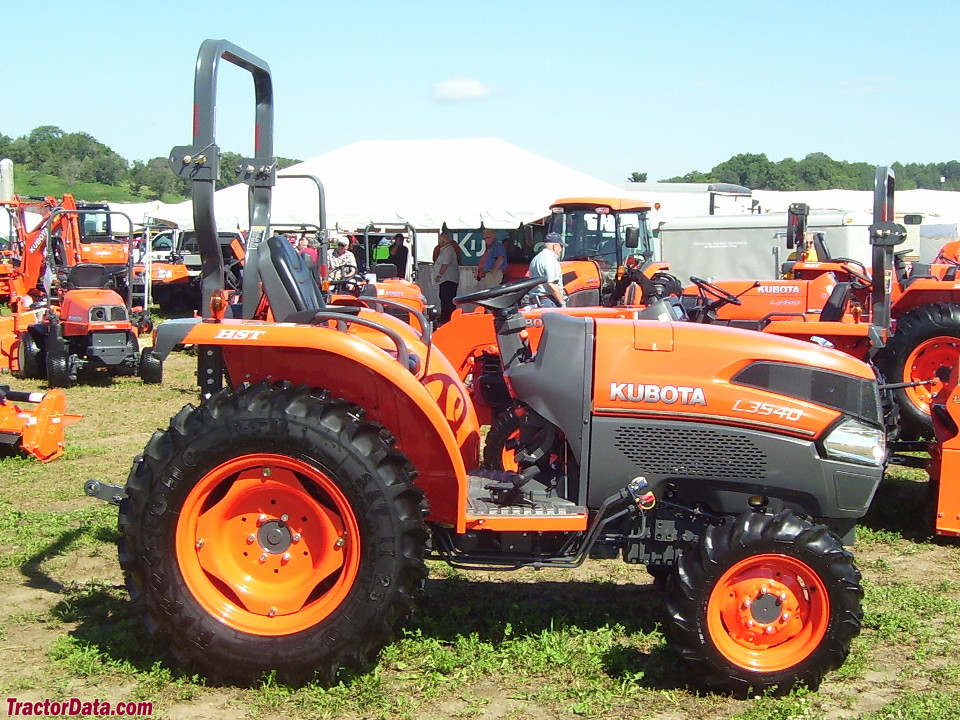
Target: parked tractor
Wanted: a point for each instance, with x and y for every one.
(282, 524)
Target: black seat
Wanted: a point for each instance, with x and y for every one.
(288, 281)
(836, 304)
(87, 275)
(385, 271)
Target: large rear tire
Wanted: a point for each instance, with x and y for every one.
(273, 529)
(926, 346)
(764, 602)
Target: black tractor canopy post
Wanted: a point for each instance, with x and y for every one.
(885, 234)
(200, 163)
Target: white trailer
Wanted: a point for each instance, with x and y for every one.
(744, 247)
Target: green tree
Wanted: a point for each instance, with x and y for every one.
(637, 177)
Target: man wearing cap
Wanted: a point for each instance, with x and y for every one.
(546, 263)
(340, 261)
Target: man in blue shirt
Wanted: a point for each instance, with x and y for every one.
(492, 262)
(546, 263)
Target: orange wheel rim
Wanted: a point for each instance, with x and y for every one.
(268, 544)
(931, 360)
(768, 613)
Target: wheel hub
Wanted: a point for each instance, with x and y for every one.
(767, 608)
(275, 537)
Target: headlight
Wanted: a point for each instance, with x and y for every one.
(856, 442)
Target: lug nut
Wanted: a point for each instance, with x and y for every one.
(263, 558)
(285, 558)
(266, 472)
(199, 543)
(785, 617)
(770, 630)
(251, 537)
(262, 519)
(296, 537)
(747, 602)
(340, 542)
(272, 612)
(284, 517)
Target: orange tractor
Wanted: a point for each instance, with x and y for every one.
(908, 325)
(283, 523)
(80, 321)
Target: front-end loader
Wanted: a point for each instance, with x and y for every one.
(282, 524)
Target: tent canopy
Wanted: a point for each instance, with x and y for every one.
(426, 183)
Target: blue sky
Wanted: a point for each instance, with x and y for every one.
(606, 87)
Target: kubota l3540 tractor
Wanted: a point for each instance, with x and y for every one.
(282, 524)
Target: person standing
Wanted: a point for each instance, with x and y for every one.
(546, 263)
(446, 274)
(492, 262)
(398, 255)
(303, 247)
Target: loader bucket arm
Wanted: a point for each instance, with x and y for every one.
(200, 164)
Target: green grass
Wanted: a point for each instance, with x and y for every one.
(541, 644)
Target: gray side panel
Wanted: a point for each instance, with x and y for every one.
(721, 466)
(171, 333)
(558, 383)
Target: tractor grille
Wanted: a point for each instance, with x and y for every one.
(691, 452)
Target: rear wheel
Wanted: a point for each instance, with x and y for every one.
(764, 602)
(924, 349)
(30, 358)
(272, 529)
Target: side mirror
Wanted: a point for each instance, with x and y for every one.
(632, 238)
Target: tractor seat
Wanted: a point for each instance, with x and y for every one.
(87, 275)
(385, 271)
(288, 281)
(836, 304)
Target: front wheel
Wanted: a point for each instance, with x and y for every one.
(150, 367)
(764, 602)
(272, 529)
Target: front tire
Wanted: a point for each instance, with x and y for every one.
(273, 529)
(764, 602)
(150, 367)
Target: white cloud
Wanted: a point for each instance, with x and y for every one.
(461, 90)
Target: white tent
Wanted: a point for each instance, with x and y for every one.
(426, 183)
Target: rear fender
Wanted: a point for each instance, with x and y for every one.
(428, 412)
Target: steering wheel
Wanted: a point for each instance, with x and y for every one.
(349, 284)
(337, 274)
(501, 297)
(857, 271)
(722, 296)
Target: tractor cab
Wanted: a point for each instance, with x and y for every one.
(601, 234)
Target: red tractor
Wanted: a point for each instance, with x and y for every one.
(283, 523)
